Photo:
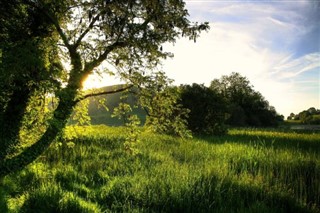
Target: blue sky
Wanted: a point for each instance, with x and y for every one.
(275, 44)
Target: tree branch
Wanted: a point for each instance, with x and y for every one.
(147, 111)
(106, 92)
(96, 62)
(52, 19)
(77, 43)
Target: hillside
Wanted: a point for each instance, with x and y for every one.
(101, 115)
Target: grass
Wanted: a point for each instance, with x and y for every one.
(244, 171)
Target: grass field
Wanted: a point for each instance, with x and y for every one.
(244, 171)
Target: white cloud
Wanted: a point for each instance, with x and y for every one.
(219, 52)
(296, 67)
(258, 45)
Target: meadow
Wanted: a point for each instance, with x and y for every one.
(247, 170)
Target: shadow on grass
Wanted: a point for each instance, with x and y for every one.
(300, 178)
(226, 196)
(206, 194)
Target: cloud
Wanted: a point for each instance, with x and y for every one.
(296, 67)
(275, 23)
(258, 40)
(223, 50)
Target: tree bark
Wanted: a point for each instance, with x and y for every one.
(56, 124)
(67, 100)
(12, 120)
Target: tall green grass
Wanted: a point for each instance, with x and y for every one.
(244, 171)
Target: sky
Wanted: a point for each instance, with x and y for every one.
(275, 44)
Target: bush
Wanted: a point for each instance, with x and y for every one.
(207, 109)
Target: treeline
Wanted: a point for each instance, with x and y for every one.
(228, 101)
(309, 116)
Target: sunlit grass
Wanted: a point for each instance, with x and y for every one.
(245, 171)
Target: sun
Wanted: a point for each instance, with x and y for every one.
(95, 81)
(92, 82)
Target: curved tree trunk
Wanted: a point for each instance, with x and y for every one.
(67, 100)
(11, 120)
(56, 124)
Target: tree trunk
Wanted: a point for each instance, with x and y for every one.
(12, 120)
(56, 124)
(67, 100)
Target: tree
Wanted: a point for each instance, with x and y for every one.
(29, 68)
(83, 34)
(246, 107)
(164, 112)
(291, 116)
(309, 116)
(207, 109)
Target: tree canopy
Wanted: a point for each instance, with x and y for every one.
(207, 109)
(49, 47)
(246, 107)
(309, 116)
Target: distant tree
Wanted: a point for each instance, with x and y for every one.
(246, 106)
(291, 116)
(234, 89)
(305, 116)
(207, 109)
(309, 116)
(312, 111)
(39, 36)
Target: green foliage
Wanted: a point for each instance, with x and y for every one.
(246, 107)
(155, 102)
(247, 170)
(38, 37)
(207, 109)
(122, 112)
(230, 100)
(133, 133)
(131, 122)
(310, 116)
(101, 108)
(80, 115)
(164, 112)
(50, 198)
